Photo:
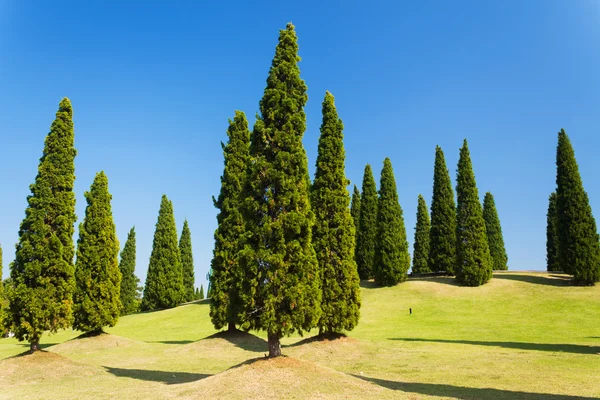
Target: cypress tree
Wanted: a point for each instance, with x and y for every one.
(281, 290)
(334, 233)
(367, 226)
(442, 236)
(552, 263)
(392, 261)
(474, 263)
(187, 262)
(355, 208)
(225, 275)
(421, 245)
(130, 284)
(97, 300)
(201, 293)
(164, 281)
(42, 275)
(493, 230)
(579, 250)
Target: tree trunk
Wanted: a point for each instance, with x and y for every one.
(231, 327)
(274, 345)
(34, 345)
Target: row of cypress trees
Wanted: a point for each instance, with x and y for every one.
(572, 241)
(464, 240)
(47, 289)
(283, 259)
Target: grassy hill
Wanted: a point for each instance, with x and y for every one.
(523, 335)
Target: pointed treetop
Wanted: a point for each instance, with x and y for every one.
(65, 106)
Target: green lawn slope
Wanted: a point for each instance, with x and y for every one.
(522, 335)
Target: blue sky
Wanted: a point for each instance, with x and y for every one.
(153, 84)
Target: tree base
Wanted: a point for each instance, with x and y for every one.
(34, 346)
(231, 327)
(274, 345)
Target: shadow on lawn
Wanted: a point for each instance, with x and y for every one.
(446, 280)
(170, 378)
(319, 338)
(565, 348)
(243, 340)
(548, 280)
(460, 392)
(172, 341)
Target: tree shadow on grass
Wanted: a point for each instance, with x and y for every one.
(172, 341)
(446, 280)
(369, 284)
(465, 393)
(168, 377)
(316, 339)
(554, 347)
(243, 340)
(548, 280)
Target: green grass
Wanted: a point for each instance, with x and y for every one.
(523, 335)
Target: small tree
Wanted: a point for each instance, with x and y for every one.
(552, 259)
(164, 281)
(493, 230)
(281, 291)
(130, 284)
(201, 293)
(473, 254)
(355, 208)
(97, 297)
(367, 226)
(187, 262)
(392, 260)
(421, 245)
(42, 275)
(579, 249)
(225, 275)
(442, 235)
(333, 232)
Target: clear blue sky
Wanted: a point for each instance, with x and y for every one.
(153, 84)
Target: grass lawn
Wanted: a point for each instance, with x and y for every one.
(521, 336)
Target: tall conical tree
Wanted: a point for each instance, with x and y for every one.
(421, 246)
(334, 233)
(225, 275)
(579, 249)
(201, 293)
(392, 260)
(130, 283)
(474, 263)
(552, 263)
(281, 292)
(164, 281)
(42, 275)
(187, 262)
(367, 226)
(493, 230)
(97, 300)
(355, 208)
(442, 236)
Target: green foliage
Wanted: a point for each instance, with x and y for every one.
(187, 262)
(201, 293)
(130, 284)
(97, 300)
(225, 276)
(442, 236)
(355, 208)
(367, 226)
(392, 261)
(579, 250)
(474, 263)
(421, 245)
(334, 233)
(164, 281)
(42, 274)
(552, 259)
(281, 290)
(493, 230)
